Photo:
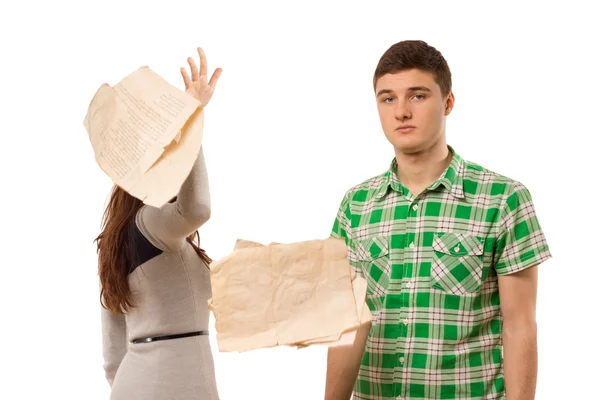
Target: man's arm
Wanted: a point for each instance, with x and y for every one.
(343, 363)
(518, 293)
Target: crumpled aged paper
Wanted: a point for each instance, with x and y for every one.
(297, 294)
(146, 134)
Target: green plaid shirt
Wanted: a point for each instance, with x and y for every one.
(432, 264)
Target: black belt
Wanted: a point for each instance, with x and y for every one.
(168, 337)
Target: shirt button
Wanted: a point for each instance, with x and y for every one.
(408, 284)
(415, 207)
(405, 321)
(402, 360)
(412, 245)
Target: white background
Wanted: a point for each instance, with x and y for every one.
(292, 125)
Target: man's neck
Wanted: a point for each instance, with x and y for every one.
(419, 170)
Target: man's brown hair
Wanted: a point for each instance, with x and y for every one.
(415, 54)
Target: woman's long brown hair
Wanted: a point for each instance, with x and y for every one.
(113, 243)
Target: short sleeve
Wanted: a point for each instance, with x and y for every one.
(341, 225)
(342, 229)
(520, 243)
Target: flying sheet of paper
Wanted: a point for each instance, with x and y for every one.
(359, 286)
(146, 134)
(285, 294)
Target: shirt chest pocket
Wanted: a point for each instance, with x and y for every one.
(457, 264)
(374, 259)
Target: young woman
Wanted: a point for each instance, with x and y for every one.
(155, 285)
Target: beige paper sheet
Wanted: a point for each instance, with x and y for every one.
(146, 134)
(359, 286)
(285, 294)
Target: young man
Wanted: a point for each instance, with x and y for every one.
(449, 250)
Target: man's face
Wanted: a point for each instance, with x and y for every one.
(412, 110)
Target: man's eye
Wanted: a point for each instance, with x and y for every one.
(419, 96)
(388, 100)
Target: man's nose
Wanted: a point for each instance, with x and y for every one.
(402, 110)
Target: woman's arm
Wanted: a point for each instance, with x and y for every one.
(166, 227)
(114, 342)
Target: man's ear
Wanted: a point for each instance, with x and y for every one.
(449, 104)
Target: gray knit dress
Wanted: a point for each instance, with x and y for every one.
(170, 285)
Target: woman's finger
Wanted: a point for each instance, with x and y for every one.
(186, 78)
(203, 63)
(214, 78)
(193, 68)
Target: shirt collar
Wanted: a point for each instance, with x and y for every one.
(451, 179)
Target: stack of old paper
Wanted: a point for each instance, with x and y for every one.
(146, 134)
(297, 294)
